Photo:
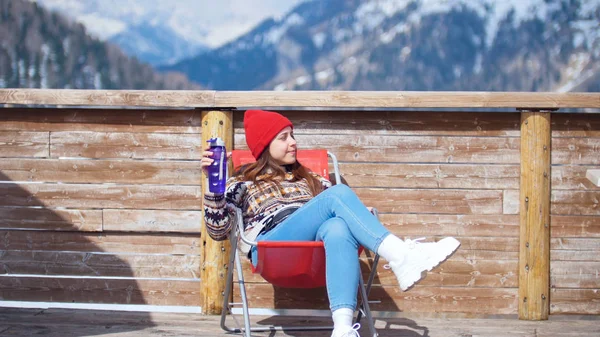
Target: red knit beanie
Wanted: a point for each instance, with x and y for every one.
(261, 127)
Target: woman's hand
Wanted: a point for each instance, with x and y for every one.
(206, 160)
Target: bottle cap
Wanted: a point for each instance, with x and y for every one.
(216, 142)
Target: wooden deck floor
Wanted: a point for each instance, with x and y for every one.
(68, 323)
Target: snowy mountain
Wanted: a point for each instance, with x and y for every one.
(40, 49)
(523, 45)
(155, 45)
(163, 32)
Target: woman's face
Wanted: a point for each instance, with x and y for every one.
(283, 147)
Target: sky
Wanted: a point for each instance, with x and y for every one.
(211, 22)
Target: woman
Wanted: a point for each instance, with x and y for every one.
(299, 205)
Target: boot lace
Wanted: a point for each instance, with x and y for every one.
(353, 332)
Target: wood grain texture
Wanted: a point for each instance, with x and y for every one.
(456, 272)
(447, 299)
(156, 172)
(575, 301)
(148, 98)
(398, 123)
(563, 202)
(166, 221)
(574, 255)
(572, 177)
(534, 238)
(476, 225)
(404, 99)
(55, 322)
(431, 173)
(23, 144)
(101, 120)
(432, 201)
(101, 290)
(410, 149)
(581, 244)
(125, 145)
(510, 202)
(472, 255)
(566, 202)
(99, 264)
(500, 244)
(575, 274)
(575, 125)
(388, 99)
(576, 151)
(574, 264)
(215, 254)
(575, 226)
(109, 243)
(441, 176)
(25, 218)
(100, 196)
(420, 299)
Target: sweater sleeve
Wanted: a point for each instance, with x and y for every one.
(324, 182)
(219, 209)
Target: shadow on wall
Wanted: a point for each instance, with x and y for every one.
(56, 255)
(98, 207)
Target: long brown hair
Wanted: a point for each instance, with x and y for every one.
(266, 169)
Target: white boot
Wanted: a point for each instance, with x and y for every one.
(347, 331)
(421, 257)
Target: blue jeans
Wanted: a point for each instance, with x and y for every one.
(339, 219)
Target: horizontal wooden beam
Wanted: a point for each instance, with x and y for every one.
(406, 99)
(275, 99)
(147, 98)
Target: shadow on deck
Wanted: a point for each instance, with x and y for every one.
(68, 322)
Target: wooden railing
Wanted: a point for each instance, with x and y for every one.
(441, 172)
(298, 99)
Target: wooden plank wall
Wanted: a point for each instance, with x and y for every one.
(430, 174)
(100, 206)
(438, 174)
(575, 215)
(123, 227)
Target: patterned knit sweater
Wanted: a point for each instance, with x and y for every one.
(255, 203)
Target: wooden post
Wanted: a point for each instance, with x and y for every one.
(534, 244)
(214, 254)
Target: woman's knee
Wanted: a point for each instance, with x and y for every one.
(335, 226)
(336, 230)
(342, 191)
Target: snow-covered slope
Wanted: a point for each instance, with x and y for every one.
(40, 49)
(412, 45)
(160, 32)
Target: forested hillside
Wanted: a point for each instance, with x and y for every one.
(41, 49)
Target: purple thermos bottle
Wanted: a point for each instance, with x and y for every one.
(217, 171)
